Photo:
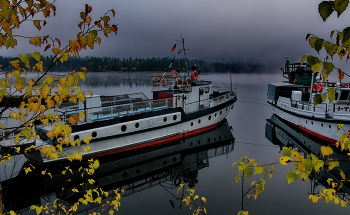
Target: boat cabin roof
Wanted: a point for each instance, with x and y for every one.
(286, 84)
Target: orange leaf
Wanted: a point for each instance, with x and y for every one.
(47, 47)
(36, 41)
(49, 103)
(46, 12)
(88, 20)
(98, 23)
(58, 41)
(84, 69)
(114, 28)
(56, 51)
(88, 8)
(73, 119)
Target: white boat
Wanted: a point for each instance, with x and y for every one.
(293, 101)
(183, 105)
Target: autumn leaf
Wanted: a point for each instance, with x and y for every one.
(37, 24)
(88, 8)
(285, 160)
(36, 41)
(74, 119)
(326, 151)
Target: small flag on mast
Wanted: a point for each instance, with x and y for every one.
(173, 48)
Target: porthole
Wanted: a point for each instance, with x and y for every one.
(174, 117)
(164, 163)
(174, 159)
(191, 144)
(199, 142)
(220, 112)
(209, 117)
(219, 137)
(165, 119)
(312, 123)
(76, 137)
(321, 124)
(94, 134)
(123, 128)
(214, 138)
(137, 125)
(191, 123)
(216, 114)
(306, 121)
(209, 140)
(199, 121)
(125, 174)
(226, 109)
(329, 126)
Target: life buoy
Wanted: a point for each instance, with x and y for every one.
(314, 87)
(165, 81)
(155, 81)
(174, 74)
(319, 87)
(178, 82)
(187, 82)
(195, 75)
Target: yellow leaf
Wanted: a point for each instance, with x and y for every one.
(49, 103)
(285, 160)
(36, 41)
(204, 199)
(326, 151)
(87, 148)
(27, 170)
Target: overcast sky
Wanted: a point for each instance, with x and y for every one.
(221, 30)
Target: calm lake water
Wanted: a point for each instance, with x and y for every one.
(208, 168)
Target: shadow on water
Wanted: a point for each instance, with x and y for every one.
(135, 171)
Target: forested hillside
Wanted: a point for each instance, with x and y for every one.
(103, 64)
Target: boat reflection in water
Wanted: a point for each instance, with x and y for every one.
(133, 171)
(280, 133)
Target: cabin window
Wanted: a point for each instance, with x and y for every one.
(207, 89)
(137, 125)
(344, 95)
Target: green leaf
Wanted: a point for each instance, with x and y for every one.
(248, 171)
(291, 176)
(318, 45)
(286, 151)
(36, 56)
(342, 174)
(238, 177)
(25, 59)
(330, 48)
(27, 133)
(319, 98)
(325, 9)
(333, 164)
(346, 36)
(340, 6)
(314, 63)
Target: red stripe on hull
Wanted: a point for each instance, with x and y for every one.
(157, 142)
(312, 135)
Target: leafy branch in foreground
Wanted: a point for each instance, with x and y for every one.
(247, 167)
(37, 97)
(191, 201)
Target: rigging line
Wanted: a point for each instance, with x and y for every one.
(257, 144)
(252, 102)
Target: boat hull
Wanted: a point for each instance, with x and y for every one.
(322, 128)
(151, 132)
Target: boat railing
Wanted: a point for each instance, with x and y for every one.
(111, 111)
(211, 102)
